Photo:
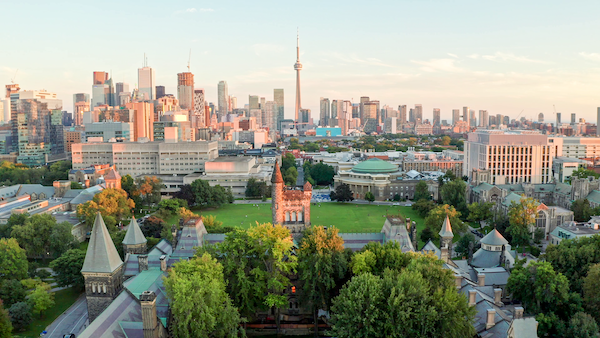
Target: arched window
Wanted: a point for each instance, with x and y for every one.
(299, 216)
(287, 216)
(293, 216)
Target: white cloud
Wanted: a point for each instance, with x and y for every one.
(500, 56)
(473, 56)
(590, 56)
(195, 10)
(433, 65)
(453, 55)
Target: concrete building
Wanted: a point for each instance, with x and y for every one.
(572, 230)
(325, 112)
(147, 83)
(223, 94)
(199, 118)
(143, 120)
(436, 117)
(173, 131)
(483, 118)
(577, 147)
(455, 116)
(563, 167)
(428, 163)
(121, 131)
(72, 135)
(147, 158)
(40, 131)
(185, 90)
(279, 100)
(510, 157)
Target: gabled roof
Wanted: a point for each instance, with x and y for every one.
(483, 187)
(594, 196)
(134, 234)
(494, 238)
(511, 197)
(101, 255)
(446, 230)
(112, 175)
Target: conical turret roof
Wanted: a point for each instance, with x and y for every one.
(446, 230)
(101, 255)
(494, 238)
(134, 234)
(276, 177)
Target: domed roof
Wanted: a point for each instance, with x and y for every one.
(375, 166)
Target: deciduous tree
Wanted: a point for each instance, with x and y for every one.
(68, 268)
(20, 316)
(322, 173)
(423, 207)
(522, 218)
(342, 193)
(422, 191)
(41, 299)
(369, 196)
(113, 204)
(455, 193)
(480, 211)
(5, 324)
(437, 215)
(582, 210)
(13, 260)
(12, 291)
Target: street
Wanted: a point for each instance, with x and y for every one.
(71, 321)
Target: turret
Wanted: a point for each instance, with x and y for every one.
(277, 186)
(446, 237)
(134, 241)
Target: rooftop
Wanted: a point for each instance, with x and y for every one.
(375, 166)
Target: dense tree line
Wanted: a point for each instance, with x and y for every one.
(17, 173)
(200, 193)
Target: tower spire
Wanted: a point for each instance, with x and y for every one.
(297, 45)
(298, 68)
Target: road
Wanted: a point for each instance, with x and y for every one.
(71, 321)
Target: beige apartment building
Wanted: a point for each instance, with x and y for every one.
(510, 157)
(146, 158)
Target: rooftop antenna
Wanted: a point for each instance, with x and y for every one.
(14, 77)
(189, 60)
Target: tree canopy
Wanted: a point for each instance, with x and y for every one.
(583, 211)
(342, 193)
(14, 260)
(422, 191)
(437, 215)
(455, 193)
(322, 173)
(41, 236)
(68, 268)
(113, 204)
(521, 216)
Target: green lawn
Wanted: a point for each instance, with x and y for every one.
(63, 300)
(346, 217)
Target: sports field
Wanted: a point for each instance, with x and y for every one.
(346, 217)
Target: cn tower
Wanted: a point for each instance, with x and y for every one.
(298, 68)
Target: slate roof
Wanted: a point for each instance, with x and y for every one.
(446, 230)
(594, 196)
(357, 241)
(87, 194)
(483, 187)
(431, 247)
(562, 188)
(134, 234)
(511, 197)
(494, 238)
(101, 255)
(112, 175)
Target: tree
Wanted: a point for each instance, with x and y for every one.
(582, 210)
(322, 264)
(422, 192)
(256, 263)
(322, 173)
(466, 244)
(13, 258)
(11, 292)
(290, 176)
(68, 268)
(423, 207)
(342, 193)
(173, 205)
(14, 219)
(128, 184)
(199, 303)
(255, 188)
(148, 188)
(582, 325)
(591, 296)
(446, 140)
(455, 193)
(574, 259)
(41, 299)
(40, 236)
(186, 193)
(152, 227)
(369, 196)
(202, 192)
(584, 173)
(480, 211)
(426, 235)
(288, 161)
(5, 324)
(437, 215)
(522, 218)
(20, 316)
(62, 239)
(113, 204)
(419, 301)
(538, 286)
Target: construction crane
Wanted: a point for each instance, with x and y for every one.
(517, 118)
(189, 60)
(14, 77)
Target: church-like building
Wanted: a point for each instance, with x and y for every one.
(291, 206)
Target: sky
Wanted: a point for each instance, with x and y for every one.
(508, 57)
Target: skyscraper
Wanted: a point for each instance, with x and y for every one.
(472, 119)
(199, 109)
(465, 114)
(418, 113)
(40, 129)
(483, 118)
(558, 115)
(100, 78)
(402, 114)
(223, 94)
(573, 117)
(363, 100)
(81, 103)
(325, 114)
(436, 117)
(298, 68)
(541, 117)
(160, 92)
(147, 83)
(278, 97)
(598, 122)
(185, 91)
(455, 116)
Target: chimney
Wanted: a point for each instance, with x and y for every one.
(491, 316)
(498, 297)
(472, 298)
(143, 262)
(480, 279)
(458, 280)
(518, 312)
(149, 320)
(163, 263)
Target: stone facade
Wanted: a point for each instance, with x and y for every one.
(290, 207)
(135, 248)
(101, 289)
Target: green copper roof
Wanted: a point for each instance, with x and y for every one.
(375, 166)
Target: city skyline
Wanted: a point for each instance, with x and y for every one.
(464, 57)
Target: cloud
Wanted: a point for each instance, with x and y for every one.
(500, 56)
(266, 48)
(194, 10)
(473, 56)
(453, 55)
(433, 65)
(590, 56)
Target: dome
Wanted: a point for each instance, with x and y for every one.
(375, 166)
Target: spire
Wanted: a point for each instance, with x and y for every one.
(276, 177)
(134, 234)
(446, 230)
(297, 45)
(101, 255)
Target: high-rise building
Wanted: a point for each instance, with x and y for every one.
(298, 68)
(160, 92)
(325, 112)
(143, 120)
(40, 130)
(278, 97)
(436, 117)
(81, 103)
(337, 107)
(598, 121)
(573, 117)
(100, 78)
(185, 90)
(223, 94)
(499, 119)
(121, 87)
(363, 100)
(465, 114)
(402, 114)
(147, 83)
(483, 118)
(455, 116)
(253, 102)
(232, 103)
(305, 116)
(270, 115)
(472, 119)
(418, 113)
(541, 117)
(558, 121)
(199, 118)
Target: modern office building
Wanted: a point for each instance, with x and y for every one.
(40, 131)
(573, 118)
(81, 103)
(541, 117)
(146, 158)
(199, 113)
(173, 131)
(325, 112)
(279, 99)
(455, 116)
(305, 117)
(143, 120)
(147, 83)
(185, 90)
(436, 117)
(418, 113)
(119, 131)
(270, 115)
(402, 114)
(160, 92)
(510, 157)
(483, 118)
(465, 114)
(223, 95)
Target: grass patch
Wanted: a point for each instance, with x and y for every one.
(84, 245)
(63, 299)
(345, 216)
